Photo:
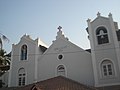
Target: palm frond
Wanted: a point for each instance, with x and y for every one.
(4, 59)
(1, 43)
(5, 38)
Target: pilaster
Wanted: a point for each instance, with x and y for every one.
(10, 71)
(115, 40)
(92, 52)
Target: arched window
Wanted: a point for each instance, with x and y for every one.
(107, 68)
(61, 70)
(21, 77)
(102, 35)
(24, 52)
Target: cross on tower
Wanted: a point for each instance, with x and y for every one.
(59, 28)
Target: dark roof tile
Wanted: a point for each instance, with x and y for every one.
(57, 83)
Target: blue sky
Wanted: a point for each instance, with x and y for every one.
(40, 18)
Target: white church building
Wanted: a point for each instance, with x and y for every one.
(33, 61)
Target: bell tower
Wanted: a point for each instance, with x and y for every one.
(105, 50)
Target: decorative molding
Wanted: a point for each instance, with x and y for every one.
(60, 49)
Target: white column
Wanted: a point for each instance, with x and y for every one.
(93, 52)
(10, 71)
(36, 61)
(117, 47)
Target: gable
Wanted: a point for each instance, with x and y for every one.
(63, 46)
(72, 57)
(100, 21)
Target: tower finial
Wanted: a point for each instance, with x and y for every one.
(110, 14)
(98, 14)
(88, 20)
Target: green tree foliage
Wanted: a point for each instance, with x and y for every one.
(4, 58)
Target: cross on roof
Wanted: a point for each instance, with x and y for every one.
(59, 28)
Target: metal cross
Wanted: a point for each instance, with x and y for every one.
(59, 28)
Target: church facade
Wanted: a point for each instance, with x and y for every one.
(33, 61)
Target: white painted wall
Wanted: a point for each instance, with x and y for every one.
(104, 51)
(28, 65)
(77, 62)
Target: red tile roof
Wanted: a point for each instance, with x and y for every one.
(57, 83)
(112, 87)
